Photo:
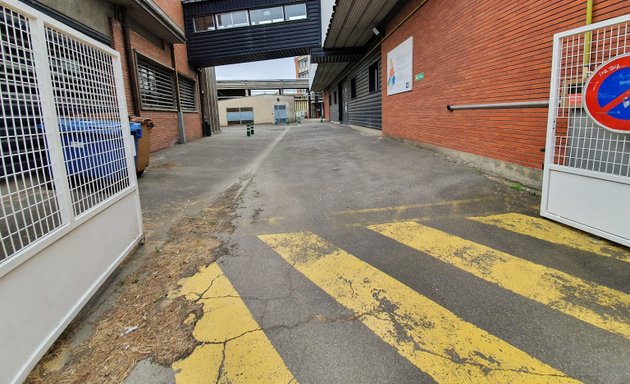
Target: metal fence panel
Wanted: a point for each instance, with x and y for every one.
(30, 208)
(581, 143)
(89, 120)
(586, 180)
(68, 192)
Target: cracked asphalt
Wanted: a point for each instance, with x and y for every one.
(323, 280)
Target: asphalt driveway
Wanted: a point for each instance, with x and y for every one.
(350, 258)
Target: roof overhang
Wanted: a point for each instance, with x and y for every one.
(350, 35)
(325, 74)
(148, 14)
(328, 56)
(352, 22)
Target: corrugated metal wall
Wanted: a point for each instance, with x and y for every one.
(364, 109)
(482, 52)
(260, 42)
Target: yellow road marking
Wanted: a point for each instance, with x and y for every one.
(438, 342)
(554, 233)
(402, 208)
(235, 349)
(600, 306)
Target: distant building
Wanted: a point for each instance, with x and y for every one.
(260, 109)
(308, 104)
(301, 67)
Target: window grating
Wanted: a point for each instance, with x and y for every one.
(89, 120)
(157, 86)
(30, 208)
(187, 94)
(579, 142)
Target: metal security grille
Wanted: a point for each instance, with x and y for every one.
(580, 142)
(89, 120)
(187, 94)
(157, 85)
(30, 208)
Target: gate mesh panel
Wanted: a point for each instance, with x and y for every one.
(30, 209)
(580, 142)
(89, 120)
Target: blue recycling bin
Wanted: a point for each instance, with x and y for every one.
(93, 149)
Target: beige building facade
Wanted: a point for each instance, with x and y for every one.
(239, 110)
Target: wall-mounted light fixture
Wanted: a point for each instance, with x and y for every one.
(376, 31)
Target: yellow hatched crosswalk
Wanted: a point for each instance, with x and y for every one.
(551, 232)
(434, 339)
(600, 306)
(234, 349)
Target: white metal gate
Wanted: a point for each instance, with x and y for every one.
(68, 192)
(587, 167)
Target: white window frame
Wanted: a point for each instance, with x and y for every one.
(273, 21)
(305, 16)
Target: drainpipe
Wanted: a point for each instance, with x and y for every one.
(586, 62)
(131, 69)
(181, 139)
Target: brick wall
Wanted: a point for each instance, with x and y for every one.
(165, 132)
(481, 52)
(326, 106)
(174, 10)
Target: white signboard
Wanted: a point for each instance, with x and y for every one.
(400, 68)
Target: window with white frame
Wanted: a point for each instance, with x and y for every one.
(232, 19)
(295, 11)
(245, 17)
(266, 15)
(204, 23)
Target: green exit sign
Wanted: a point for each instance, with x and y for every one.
(419, 76)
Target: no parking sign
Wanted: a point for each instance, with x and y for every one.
(607, 95)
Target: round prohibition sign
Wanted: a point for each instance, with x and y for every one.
(607, 95)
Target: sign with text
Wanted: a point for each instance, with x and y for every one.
(400, 68)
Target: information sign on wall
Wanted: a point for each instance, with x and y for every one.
(400, 68)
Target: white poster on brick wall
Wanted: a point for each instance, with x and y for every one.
(400, 68)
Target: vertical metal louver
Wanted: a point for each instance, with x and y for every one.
(187, 94)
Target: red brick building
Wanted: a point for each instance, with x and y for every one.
(464, 53)
(149, 35)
